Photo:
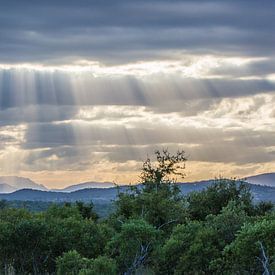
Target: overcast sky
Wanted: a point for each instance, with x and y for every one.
(88, 89)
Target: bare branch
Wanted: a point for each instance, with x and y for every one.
(264, 260)
(167, 223)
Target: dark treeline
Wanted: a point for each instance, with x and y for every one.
(102, 209)
(153, 229)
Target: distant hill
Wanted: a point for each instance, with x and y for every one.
(92, 194)
(10, 184)
(101, 195)
(85, 185)
(262, 179)
(20, 183)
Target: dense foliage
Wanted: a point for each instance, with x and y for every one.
(152, 230)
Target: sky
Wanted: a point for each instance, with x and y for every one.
(89, 89)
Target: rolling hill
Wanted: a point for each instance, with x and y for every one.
(262, 179)
(103, 195)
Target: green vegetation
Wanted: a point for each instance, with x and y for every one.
(103, 210)
(152, 229)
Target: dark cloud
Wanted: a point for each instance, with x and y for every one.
(119, 31)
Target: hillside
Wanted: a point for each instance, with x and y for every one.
(262, 179)
(94, 194)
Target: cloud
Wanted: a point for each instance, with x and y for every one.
(122, 31)
(36, 113)
(120, 143)
(21, 88)
(97, 85)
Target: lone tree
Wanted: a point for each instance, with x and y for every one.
(157, 199)
(148, 211)
(167, 165)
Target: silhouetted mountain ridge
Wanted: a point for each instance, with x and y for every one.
(10, 184)
(262, 179)
(265, 193)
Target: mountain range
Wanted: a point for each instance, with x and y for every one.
(22, 189)
(9, 184)
(105, 195)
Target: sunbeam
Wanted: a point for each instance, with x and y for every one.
(89, 98)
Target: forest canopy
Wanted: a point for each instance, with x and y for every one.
(153, 229)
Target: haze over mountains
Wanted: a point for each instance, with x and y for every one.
(106, 195)
(9, 184)
(85, 185)
(12, 183)
(22, 189)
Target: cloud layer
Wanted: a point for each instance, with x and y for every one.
(89, 88)
(120, 31)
